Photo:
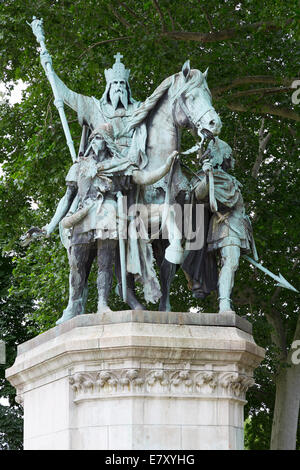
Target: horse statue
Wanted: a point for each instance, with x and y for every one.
(182, 100)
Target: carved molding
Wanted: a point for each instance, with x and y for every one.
(235, 383)
(161, 381)
(207, 378)
(20, 398)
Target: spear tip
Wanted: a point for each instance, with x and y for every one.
(285, 284)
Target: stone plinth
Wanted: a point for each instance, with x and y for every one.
(137, 380)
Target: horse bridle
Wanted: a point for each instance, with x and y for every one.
(186, 112)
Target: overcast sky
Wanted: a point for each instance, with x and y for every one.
(16, 94)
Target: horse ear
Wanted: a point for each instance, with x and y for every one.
(186, 70)
(205, 73)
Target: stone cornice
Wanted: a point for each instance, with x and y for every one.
(162, 382)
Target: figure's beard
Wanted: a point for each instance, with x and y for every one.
(117, 96)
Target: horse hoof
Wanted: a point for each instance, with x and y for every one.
(163, 308)
(198, 294)
(104, 309)
(65, 318)
(138, 307)
(232, 312)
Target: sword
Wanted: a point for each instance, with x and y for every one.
(37, 29)
(281, 281)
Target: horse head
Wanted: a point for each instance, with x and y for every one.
(192, 101)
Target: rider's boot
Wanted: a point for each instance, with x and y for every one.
(230, 259)
(106, 257)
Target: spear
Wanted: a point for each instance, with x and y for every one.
(38, 31)
(281, 281)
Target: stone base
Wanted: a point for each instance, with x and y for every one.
(137, 380)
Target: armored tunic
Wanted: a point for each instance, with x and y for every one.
(230, 225)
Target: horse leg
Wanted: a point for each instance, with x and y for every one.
(173, 254)
(167, 273)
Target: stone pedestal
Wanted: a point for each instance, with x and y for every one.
(137, 380)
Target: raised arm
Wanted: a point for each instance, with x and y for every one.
(69, 97)
(61, 92)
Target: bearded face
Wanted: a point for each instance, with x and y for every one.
(118, 94)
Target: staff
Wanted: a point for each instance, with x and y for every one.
(122, 221)
(38, 31)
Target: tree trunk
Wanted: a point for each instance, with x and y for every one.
(286, 411)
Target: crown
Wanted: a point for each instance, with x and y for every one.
(118, 70)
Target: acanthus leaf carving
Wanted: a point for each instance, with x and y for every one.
(157, 376)
(182, 378)
(236, 383)
(206, 378)
(204, 382)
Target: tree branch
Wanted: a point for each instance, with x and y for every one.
(260, 91)
(157, 7)
(225, 34)
(172, 20)
(119, 17)
(105, 41)
(263, 142)
(276, 321)
(247, 80)
(264, 109)
(132, 13)
(208, 19)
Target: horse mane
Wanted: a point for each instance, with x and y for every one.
(196, 78)
(142, 112)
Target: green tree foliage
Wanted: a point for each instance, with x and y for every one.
(252, 53)
(15, 328)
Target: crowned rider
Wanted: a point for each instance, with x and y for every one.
(115, 108)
